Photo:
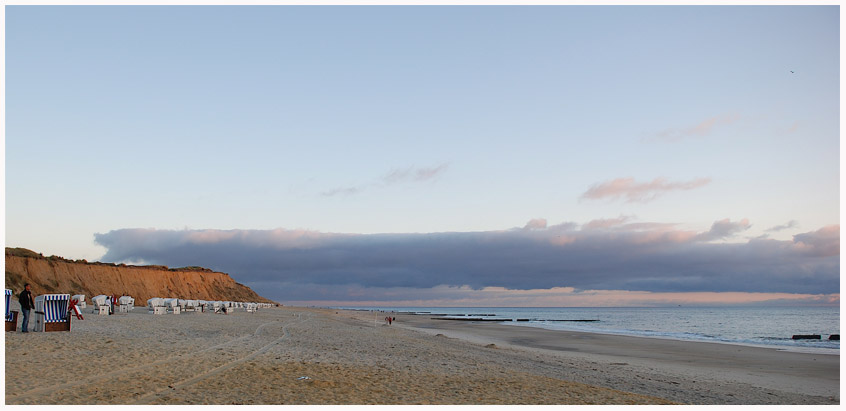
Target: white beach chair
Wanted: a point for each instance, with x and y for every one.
(51, 312)
(192, 305)
(218, 307)
(127, 303)
(80, 300)
(187, 305)
(101, 304)
(172, 305)
(156, 306)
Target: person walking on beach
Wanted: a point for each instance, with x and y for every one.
(27, 304)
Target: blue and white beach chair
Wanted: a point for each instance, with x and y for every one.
(11, 316)
(7, 304)
(51, 312)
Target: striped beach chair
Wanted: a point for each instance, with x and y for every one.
(11, 316)
(8, 304)
(51, 312)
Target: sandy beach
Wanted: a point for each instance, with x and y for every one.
(291, 355)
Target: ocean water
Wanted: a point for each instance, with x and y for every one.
(757, 326)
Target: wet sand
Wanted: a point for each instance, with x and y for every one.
(683, 371)
(311, 356)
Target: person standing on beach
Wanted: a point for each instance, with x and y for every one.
(27, 304)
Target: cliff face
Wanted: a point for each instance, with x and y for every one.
(48, 275)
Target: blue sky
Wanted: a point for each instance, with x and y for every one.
(128, 127)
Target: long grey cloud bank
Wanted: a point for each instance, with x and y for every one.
(599, 255)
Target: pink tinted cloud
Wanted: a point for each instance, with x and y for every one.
(463, 296)
(535, 224)
(701, 129)
(634, 191)
(824, 242)
(605, 223)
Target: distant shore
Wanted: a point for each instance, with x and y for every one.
(292, 355)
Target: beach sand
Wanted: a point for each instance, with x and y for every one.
(293, 355)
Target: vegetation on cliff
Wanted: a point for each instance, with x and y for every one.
(55, 274)
(23, 252)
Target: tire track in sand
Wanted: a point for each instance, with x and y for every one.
(219, 369)
(49, 390)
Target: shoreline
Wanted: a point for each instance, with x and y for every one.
(766, 368)
(783, 348)
(294, 355)
(490, 319)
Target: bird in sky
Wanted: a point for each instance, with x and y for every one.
(791, 71)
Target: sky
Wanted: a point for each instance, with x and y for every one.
(435, 155)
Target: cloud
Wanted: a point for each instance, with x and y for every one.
(702, 129)
(535, 224)
(605, 223)
(342, 191)
(646, 257)
(789, 224)
(639, 192)
(463, 296)
(824, 242)
(413, 174)
(394, 177)
(724, 229)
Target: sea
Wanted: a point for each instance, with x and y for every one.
(771, 327)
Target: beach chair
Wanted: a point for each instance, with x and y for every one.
(101, 304)
(187, 305)
(51, 312)
(218, 307)
(192, 305)
(201, 304)
(126, 304)
(156, 306)
(80, 300)
(11, 316)
(172, 305)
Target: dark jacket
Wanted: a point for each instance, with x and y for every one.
(26, 300)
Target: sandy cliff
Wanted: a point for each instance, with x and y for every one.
(58, 275)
